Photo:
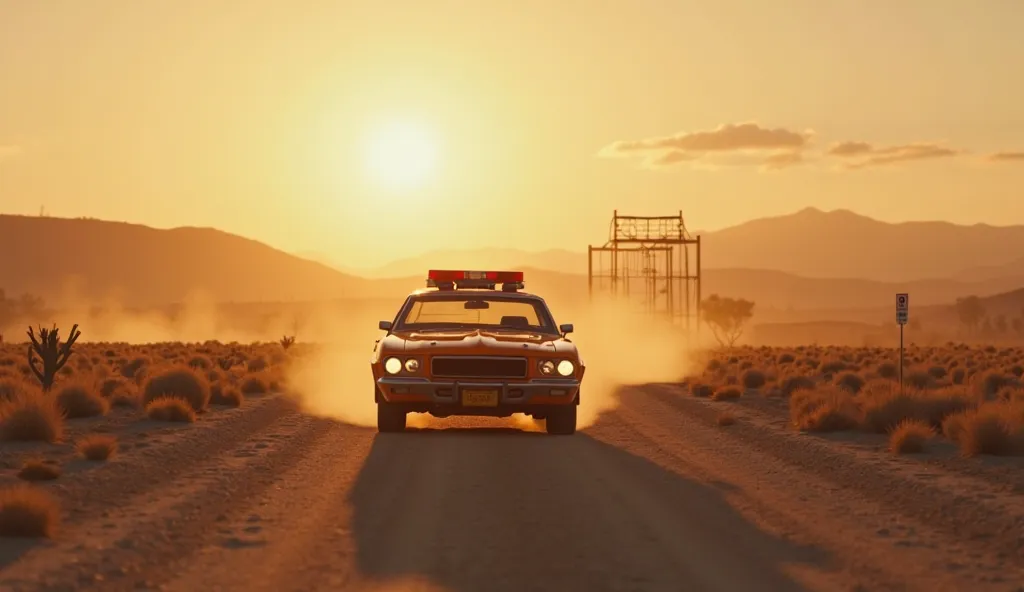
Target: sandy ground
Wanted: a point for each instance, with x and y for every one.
(655, 496)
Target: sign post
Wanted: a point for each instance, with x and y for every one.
(902, 314)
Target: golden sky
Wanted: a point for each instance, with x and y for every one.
(255, 116)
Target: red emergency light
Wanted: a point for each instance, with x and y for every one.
(498, 277)
(450, 279)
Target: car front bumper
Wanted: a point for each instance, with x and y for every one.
(538, 391)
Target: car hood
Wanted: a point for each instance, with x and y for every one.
(476, 341)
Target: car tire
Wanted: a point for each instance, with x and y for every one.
(561, 421)
(390, 418)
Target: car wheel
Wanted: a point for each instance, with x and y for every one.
(389, 418)
(562, 420)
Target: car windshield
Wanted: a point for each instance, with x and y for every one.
(475, 311)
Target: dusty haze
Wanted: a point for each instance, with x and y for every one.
(619, 347)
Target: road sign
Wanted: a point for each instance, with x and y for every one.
(902, 308)
(902, 314)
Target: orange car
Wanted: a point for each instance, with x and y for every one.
(463, 347)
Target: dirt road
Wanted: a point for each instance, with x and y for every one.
(655, 496)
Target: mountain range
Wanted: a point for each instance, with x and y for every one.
(810, 260)
(810, 243)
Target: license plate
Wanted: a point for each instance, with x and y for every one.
(480, 398)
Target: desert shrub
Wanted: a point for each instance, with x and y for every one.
(753, 379)
(910, 436)
(12, 386)
(170, 408)
(179, 382)
(888, 370)
(133, 367)
(29, 512)
(884, 407)
(38, 470)
(958, 375)
(786, 358)
(257, 364)
(918, 379)
(833, 367)
(795, 382)
(937, 372)
(254, 384)
(200, 362)
(221, 394)
(991, 382)
(79, 400)
(31, 417)
(726, 419)
(113, 385)
(726, 394)
(850, 381)
(97, 446)
(993, 428)
(824, 409)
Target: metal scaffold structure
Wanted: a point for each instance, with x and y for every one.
(653, 262)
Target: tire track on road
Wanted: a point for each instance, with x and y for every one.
(805, 487)
(138, 536)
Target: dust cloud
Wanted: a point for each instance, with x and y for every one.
(331, 376)
(622, 346)
(333, 379)
(619, 347)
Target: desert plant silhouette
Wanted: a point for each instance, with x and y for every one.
(51, 351)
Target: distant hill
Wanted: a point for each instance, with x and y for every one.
(844, 244)
(134, 264)
(140, 266)
(1013, 269)
(810, 243)
(784, 291)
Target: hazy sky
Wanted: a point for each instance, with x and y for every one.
(254, 115)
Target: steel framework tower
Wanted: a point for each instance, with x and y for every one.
(651, 261)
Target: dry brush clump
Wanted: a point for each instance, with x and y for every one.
(26, 511)
(80, 399)
(154, 377)
(971, 395)
(226, 394)
(170, 408)
(31, 416)
(97, 447)
(182, 382)
(910, 436)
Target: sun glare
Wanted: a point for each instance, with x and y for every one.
(401, 155)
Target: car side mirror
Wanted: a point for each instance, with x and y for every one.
(566, 328)
(384, 325)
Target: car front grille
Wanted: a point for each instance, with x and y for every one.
(477, 367)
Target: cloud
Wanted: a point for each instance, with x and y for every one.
(1006, 157)
(863, 155)
(735, 138)
(782, 160)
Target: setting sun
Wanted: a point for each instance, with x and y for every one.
(401, 155)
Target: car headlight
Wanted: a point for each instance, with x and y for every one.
(566, 368)
(412, 365)
(393, 365)
(547, 367)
